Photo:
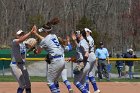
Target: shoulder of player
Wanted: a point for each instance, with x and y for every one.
(47, 37)
(90, 38)
(83, 42)
(98, 49)
(105, 49)
(53, 35)
(15, 41)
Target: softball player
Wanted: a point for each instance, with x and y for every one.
(92, 58)
(67, 47)
(51, 44)
(82, 53)
(17, 65)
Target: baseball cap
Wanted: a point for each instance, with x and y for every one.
(19, 32)
(78, 32)
(129, 50)
(88, 30)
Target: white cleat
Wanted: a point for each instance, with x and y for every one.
(71, 91)
(97, 91)
(88, 91)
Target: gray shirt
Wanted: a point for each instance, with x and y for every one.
(18, 52)
(81, 49)
(51, 44)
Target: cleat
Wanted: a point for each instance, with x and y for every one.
(71, 91)
(97, 91)
(88, 91)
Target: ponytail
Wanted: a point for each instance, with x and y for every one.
(84, 35)
(52, 22)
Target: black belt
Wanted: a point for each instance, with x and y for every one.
(91, 51)
(101, 59)
(52, 57)
(18, 63)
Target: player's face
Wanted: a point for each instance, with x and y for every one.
(131, 52)
(20, 35)
(102, 46)
(87, 32)
(17, 36)
(78, 36)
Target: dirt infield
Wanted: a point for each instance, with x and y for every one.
(105, 87)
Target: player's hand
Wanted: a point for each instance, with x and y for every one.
(108, 62)
(73, 59)
(34, 29)
(68, 59)
(73, 36)
(68, 38)
(96, 63)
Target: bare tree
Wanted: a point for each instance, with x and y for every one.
(116, 21)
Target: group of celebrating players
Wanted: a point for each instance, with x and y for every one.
(85, 58)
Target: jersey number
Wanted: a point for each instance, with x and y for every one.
(55, 42)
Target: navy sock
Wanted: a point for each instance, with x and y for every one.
(67, 83)
(28, 90)
(53, 88)
(93, 82)
(81, 87)
(20, 90)
(57, 86)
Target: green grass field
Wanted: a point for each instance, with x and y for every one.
(43, 79)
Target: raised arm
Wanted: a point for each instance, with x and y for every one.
(21, 39)
(36, 34)
(74, 38)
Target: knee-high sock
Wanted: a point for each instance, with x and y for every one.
(67, 83)
(53, 88)
(81, 87)
(28, 90)
(93, 82)
(20, 90)
(87, 83)
(57, 86)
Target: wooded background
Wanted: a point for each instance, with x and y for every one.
(115, 22)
